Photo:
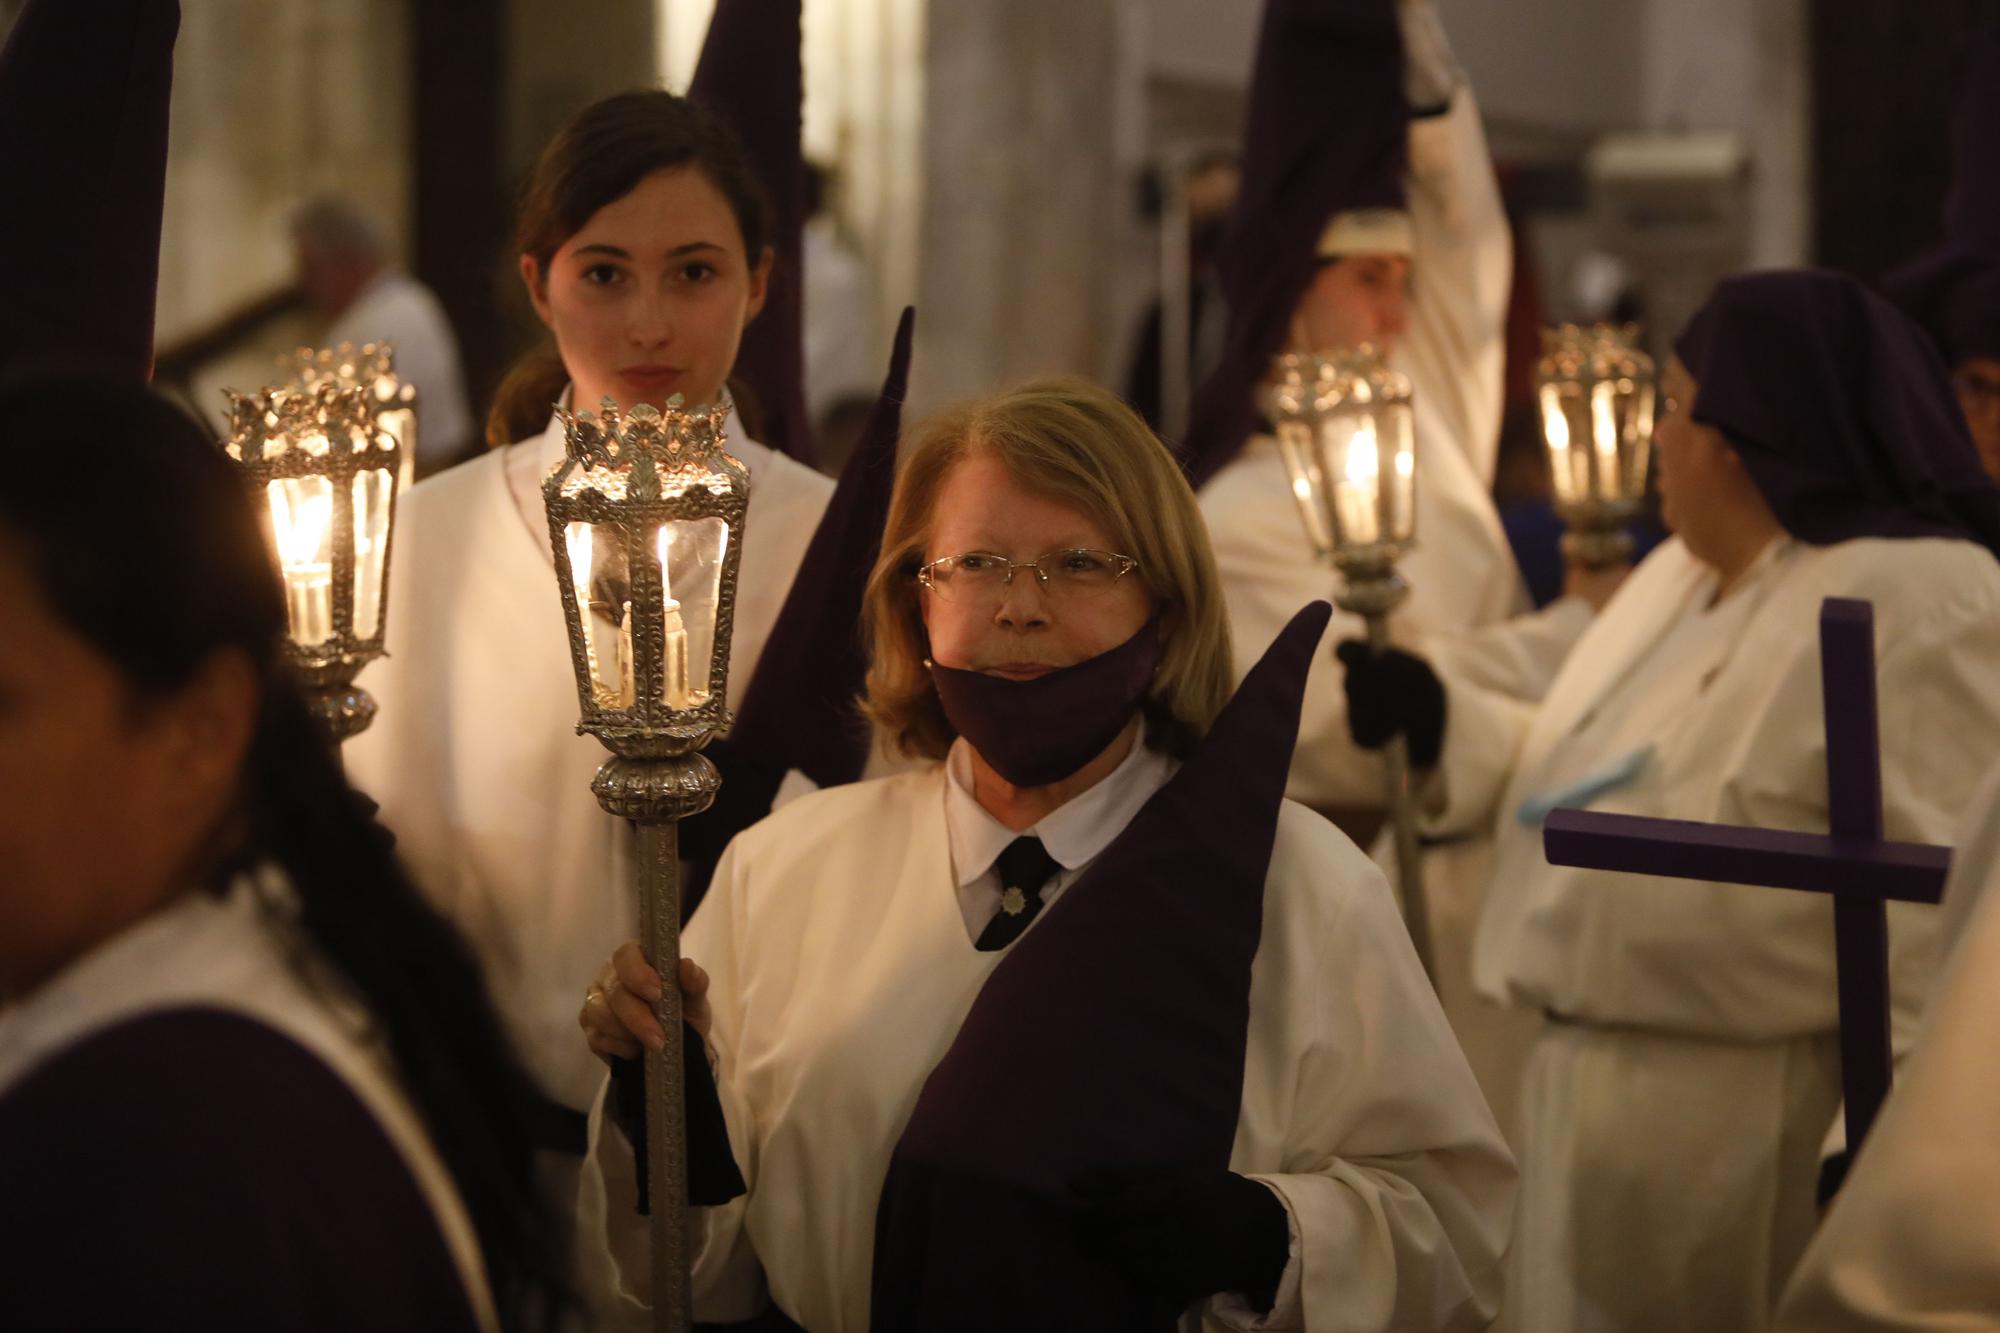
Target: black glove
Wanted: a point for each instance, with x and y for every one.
(1182, 1234)
(712, 1176)
(1393, 692)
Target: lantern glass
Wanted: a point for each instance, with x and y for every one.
(1348, 439)
(1596, 393)
(374, 497)
(689, 554)
(301, 510)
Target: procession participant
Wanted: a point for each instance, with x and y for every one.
(1954, 291)
(345, 269)
(1047, 636)
(1363, 221)
(643, 248)
(248, 1078)
(84, 84)
(1674, 1107)
(1908, 1243)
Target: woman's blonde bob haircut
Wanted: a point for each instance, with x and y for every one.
(1071, 442)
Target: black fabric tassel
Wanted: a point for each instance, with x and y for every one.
(713, 1178)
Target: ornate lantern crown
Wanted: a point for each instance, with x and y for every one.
(370, 367)
(645, 521)
(324, 474)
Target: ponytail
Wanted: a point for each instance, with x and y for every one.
(525, 398)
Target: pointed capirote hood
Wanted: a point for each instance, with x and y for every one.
(800, 709)
(1327, 138)
(751, 75)
(84, 90)
(1954, 291)
(1112, 1034)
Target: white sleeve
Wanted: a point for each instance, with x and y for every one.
(1396, 1176)
(1461, 276)
(1912, 1241)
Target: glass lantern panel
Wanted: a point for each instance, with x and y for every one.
(691, 553)
(1350, 459)
(1396, 426)
(374, 491)
(1308, 482)
(1638, 432)
(302, 530)
(1565, 430)
(603, 583)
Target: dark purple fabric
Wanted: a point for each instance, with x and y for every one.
(1112, 1034)
(1328, 131)
(195, 1169)
(1840, 408)
(1954, 291)
(1035, 731)
(751, 76)
(84, 87)
(800, 708)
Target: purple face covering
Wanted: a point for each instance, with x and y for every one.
(1036, 731)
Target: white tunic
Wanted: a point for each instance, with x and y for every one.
(1465, 610)
(237, 954)
(842, 966)
(1672, 1121)
(474, 754)
(1912, 1240)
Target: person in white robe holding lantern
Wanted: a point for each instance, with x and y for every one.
(1370, 214)
(1079, 1023)
(644, 247)
(1675, 1104)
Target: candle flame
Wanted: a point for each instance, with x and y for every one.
(301, 527)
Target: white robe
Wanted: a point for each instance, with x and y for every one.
(1466, 604)
(1912, 1240)
(474, 754)
(1672, 1121)
(236, 953)
(841, 970)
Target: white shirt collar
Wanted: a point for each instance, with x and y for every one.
(1074, 833)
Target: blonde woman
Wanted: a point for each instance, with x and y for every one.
(1018, 982)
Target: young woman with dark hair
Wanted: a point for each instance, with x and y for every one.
(643, 245)
(248, 1078)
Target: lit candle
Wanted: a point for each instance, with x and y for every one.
(1361, 493)
(302, 524)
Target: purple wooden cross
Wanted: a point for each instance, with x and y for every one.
(1850, 861)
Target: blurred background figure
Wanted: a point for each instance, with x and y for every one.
(346, 272)
(842, 372)
(1192, 204)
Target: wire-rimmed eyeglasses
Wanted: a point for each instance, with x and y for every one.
(1073, 573)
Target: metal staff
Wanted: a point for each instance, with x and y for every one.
(1345, 430)
(646, 520)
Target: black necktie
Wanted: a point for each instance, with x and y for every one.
(1025, 867)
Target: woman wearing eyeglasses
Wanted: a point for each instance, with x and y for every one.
(1078, 1024)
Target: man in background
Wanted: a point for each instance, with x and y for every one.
(344, 270)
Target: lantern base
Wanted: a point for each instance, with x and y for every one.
(1597, 548)
(1371, 592)
(652, 791)
(341, 710)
